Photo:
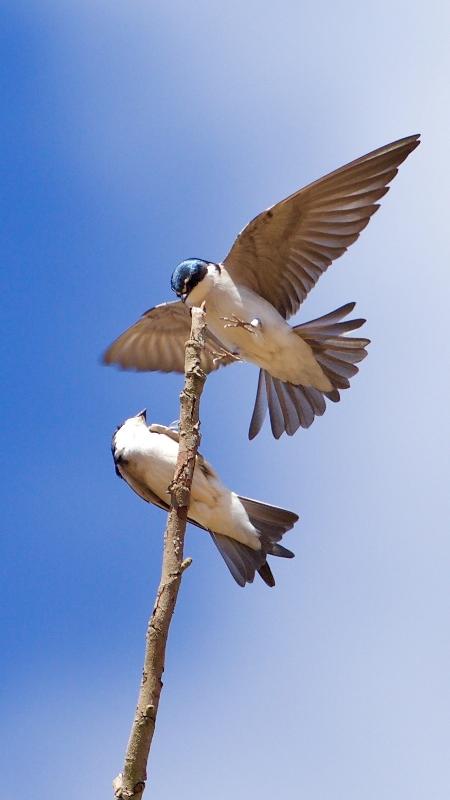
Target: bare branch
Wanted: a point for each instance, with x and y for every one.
(130, 784)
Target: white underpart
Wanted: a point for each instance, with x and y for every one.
(151, 461)
(272, 344)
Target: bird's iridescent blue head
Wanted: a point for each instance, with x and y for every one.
(187, 275)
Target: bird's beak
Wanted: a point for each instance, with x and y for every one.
(143, 414)
(183, 297)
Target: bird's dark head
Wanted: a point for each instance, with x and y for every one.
(188, 275)
(122, 436)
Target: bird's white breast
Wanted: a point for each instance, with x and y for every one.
(268, 343)
(271, 345)
(150, 458)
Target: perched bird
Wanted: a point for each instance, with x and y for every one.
(245, 531)
(273, 264)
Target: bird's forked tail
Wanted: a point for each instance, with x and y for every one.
(291, 407)
(272, 523)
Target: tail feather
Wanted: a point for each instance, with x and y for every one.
(336, 365)
(267, 575)
(330, 324)
(305, 413)
(279, 419)
(288, 409)
(277, 520)
(272, 523)
(315, 399)
(240, 559)
(291, 407)
(260, 407)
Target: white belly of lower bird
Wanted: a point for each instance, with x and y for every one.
(212, 505)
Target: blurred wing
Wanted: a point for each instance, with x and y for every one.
(157, 342)
(282, 253)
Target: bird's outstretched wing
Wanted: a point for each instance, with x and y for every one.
(157, 341)
(282, 253)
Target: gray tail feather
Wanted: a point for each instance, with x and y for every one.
(272, 523)
(291, 407)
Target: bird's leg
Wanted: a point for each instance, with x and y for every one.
(223, 354)
(235, 322)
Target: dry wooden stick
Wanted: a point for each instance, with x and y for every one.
(130, 784)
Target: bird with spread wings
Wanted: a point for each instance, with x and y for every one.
(273, 264)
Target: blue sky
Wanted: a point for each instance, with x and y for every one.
(135, 135)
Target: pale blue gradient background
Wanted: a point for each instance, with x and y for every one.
(135, 135)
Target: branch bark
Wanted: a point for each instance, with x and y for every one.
(130, 784)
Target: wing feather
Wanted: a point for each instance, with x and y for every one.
(157, 342)
(282, 253)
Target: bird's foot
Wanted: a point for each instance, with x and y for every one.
(235, 322)
(224, 355)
